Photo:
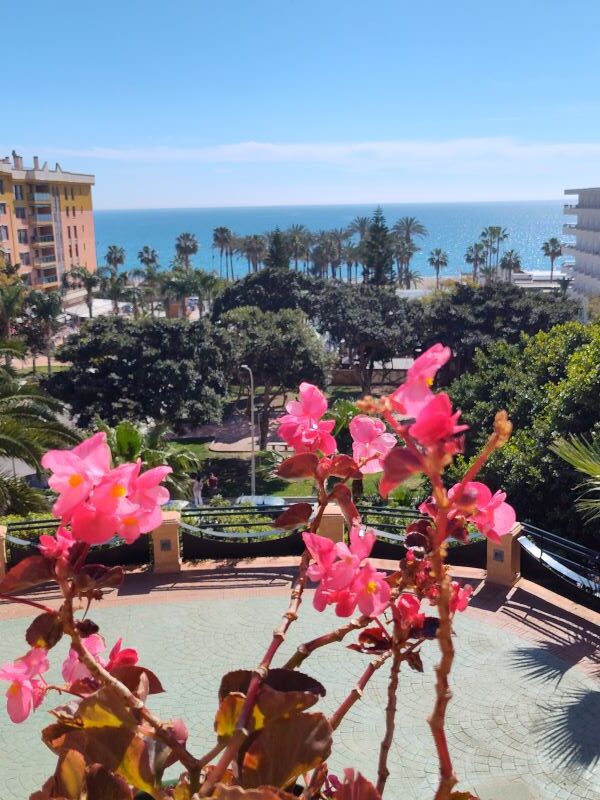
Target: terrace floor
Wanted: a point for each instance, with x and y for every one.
(524, 722)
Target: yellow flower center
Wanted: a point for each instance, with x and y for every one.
(129, 520)
(118, 490)
(14, 688)
(371, 587)
(75, 480)
(429, 381)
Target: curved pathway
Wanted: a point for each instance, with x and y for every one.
(524, 722)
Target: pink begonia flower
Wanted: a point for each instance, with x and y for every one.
(372, 591)
(149, 496)
(122, 657)
(72, 668)
(76, 471)
(370, 441)
(414, 394)
(302, 427)
(27, 688)
(436, 422)
(489, 513)
(459, 597)
(407, 610)
(92, 526)
(345, 569)
(322, 551)
(57, 546)
(111, 495)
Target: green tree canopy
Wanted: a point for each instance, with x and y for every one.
(281, 348)
(378, 251)
(269, 290)
(159, 370)
(278, 255)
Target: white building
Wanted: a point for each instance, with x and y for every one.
(583, 256)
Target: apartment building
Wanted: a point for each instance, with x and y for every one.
(46, 220)
(583, 254)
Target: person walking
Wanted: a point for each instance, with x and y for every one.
(197, 489)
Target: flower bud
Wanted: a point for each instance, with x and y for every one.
(502, 427)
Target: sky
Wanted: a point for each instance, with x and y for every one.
(191, 103)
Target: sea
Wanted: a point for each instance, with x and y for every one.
(451, 226)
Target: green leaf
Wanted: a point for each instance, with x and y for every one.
(285, 749)
(27, 573)
(45, 631)
(128, 440)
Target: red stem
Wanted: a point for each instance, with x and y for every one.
(26, 602)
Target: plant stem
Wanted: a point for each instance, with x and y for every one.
(26, 602)
(390, 721)
(304, 650)
(357, 692)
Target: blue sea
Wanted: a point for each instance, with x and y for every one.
(451, 226)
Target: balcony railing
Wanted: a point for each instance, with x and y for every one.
(49, 237)
(46, 259)
(41, 218)
(45, 279)
(39, 197)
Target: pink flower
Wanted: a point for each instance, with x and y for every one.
(370, 441)
(122, 657)
(415, 393)
(302, 427)
(436, 422)
(349, 559)
(111, 495)
(92, 526)
(372, 591)
(26, 690)
(76, 471)
(322, 550)
(425, 367)
(407, 609)
(73, 670)
(149, 496)
(489, 513)
(459, 597)
(57, 546)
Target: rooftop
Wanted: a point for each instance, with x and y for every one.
(35, 172)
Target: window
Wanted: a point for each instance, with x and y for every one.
(72, 193)
(69, 231)
(70, 251)
(3, 233)
(1, 187)
(25, 259)
(20, 213)
(67, 210)
(18, 191)
(66, 193)
(74, 231)
(76, 251)
(22, 236)
(2, 208)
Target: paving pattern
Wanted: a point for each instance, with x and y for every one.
(524, 723)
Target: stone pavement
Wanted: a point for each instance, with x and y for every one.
(524, 723)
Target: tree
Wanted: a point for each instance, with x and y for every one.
(476, 255)
(112, 284)
(81, 276)
(552, 249)
(281, 348)
(438, 259)
(379, 258)
(186, 245)
(367, 324)
(408, 228)
(47, 308)
(115, 257)
(222, 241)
(278, 255)
(254, 250)
(12, 299)
(403, 252)
(269, 290)
(359, 227)
(296, 236)
(128, 442)
(163, 370)
(150, 275)
(470, 316)
(549, 384)
(31, 333)
(509, 263)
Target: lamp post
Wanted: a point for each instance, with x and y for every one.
(252, 456)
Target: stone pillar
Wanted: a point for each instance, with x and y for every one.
(3, 558)
(332, 523)
(504, 558)
(165, 541)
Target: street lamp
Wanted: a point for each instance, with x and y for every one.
(253, 459)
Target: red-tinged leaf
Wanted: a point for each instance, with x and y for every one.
(463, 796)
(96, 576)
(415, 661)
(46, 792)
(372, 640)
(356, 787)
(343, 496)
(294, 516)
(283, 750)
(130, 675)
(229, 712)
(303, 465)
(70, 775)
(398, 465)
(45, 631)
(103, 785)
(236, 681)
(223, 792)
(342, 466)
(27, 573)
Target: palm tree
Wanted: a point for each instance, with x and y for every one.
(488, 273)
(584, 455)
(81, 276)
(221, 240)
(552, 249)
(403, 252)
(476, 255)
(409, 227)
(115, 257)
(438, 259)
(112, 285)
(491, 238)
(149, 274)
(412, 278)
(296, 239)
(254, 250)
(359, 226)
(488, 241)
(186, 245)
(47, 307)
(12, 299)
(510, 261)
(148, 257)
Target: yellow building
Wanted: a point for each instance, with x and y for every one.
(46, 220)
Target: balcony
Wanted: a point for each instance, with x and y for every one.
(577, 209)
(38, 219)
(47, 279)
(45, 239)
(39, 197)
(50, 259)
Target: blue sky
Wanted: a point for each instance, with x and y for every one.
(257, 102)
